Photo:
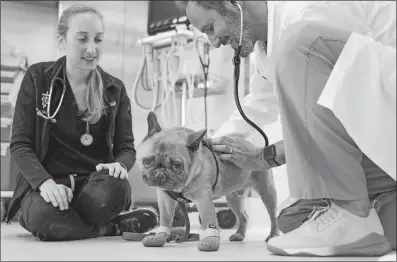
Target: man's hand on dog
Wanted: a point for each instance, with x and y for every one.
(240, 152)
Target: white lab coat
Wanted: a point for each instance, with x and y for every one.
(376, 20)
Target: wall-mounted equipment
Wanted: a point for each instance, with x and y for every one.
(164, 16)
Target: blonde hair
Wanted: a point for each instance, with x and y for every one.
(94, 96)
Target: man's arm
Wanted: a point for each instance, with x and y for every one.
(244, 155)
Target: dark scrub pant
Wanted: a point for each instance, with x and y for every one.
(96, 201)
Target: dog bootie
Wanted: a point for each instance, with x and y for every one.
(159, 239)
(210, 241)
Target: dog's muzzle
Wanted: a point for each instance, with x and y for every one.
(156, 179)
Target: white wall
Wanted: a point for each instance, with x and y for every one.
(30, 28)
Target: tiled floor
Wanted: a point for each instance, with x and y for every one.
(17, 244)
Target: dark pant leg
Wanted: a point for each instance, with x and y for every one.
(295, 215)
(48, 223)
(96, 202)
(322, 159)
(102, 198)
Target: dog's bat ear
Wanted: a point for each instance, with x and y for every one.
(194, 139)
(153, 125)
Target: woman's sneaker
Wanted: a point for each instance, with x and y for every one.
(139, 220)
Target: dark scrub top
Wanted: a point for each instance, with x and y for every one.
(66, 155)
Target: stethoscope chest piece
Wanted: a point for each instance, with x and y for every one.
(86, 139)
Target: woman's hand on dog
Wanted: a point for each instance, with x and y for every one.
(240, 152)
(116, 170)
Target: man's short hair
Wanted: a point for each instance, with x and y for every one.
(219, 6)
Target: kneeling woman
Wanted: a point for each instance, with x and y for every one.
(72, 142)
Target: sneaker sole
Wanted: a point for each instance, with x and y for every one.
(371, 245)
(132, 214)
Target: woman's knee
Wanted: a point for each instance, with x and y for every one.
(103, 198)
(119, 189)
(108, 189)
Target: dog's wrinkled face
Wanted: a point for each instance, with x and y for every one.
(163, 163)
(165, 156)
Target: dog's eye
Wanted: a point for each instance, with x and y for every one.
(148, 161)
(177, 166)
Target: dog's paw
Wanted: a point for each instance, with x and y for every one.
(157, 240)
(271, 236)
(210, 243)
(237, 237)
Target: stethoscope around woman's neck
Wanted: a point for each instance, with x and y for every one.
(46, 98)
(236, 62)
(86, 139)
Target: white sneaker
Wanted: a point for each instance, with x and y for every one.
(333, 231)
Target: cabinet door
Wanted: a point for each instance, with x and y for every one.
(112, 46)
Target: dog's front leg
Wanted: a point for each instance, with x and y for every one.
(210, 239)
(167, 212)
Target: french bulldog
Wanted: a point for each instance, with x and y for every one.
(181, 160)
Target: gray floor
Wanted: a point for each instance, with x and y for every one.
(18, 244)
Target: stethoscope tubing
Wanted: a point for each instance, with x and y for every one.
(236, 62)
